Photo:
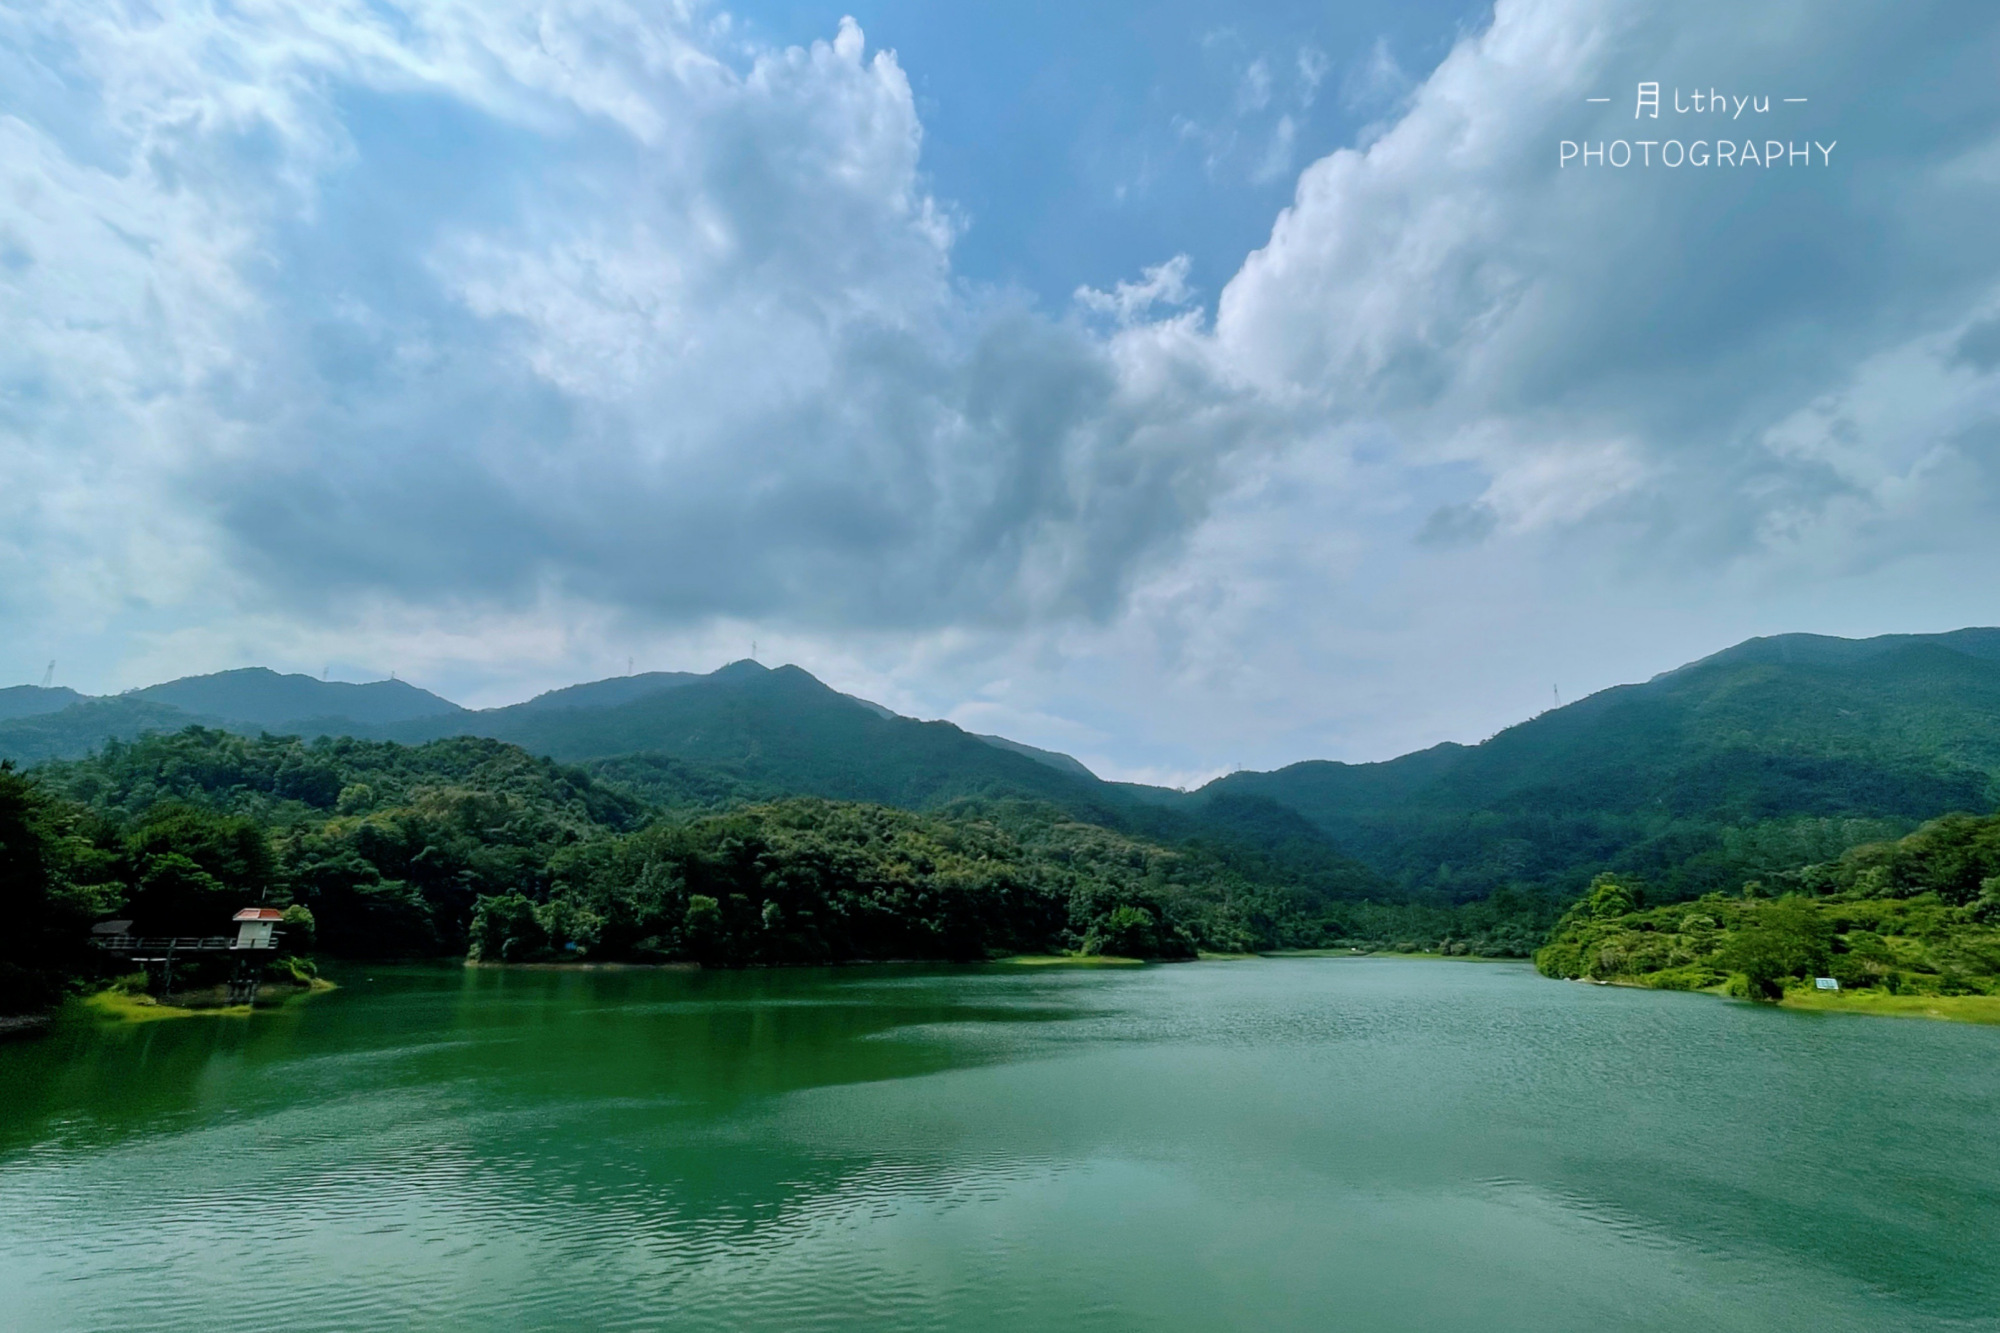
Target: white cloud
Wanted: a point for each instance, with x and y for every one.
(1162, 284)
(1375, 83)
(1313, 65)
(1277, 160)
(653, 322)
(497, 342)
(1253, 87)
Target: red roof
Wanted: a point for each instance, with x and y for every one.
(259, 914)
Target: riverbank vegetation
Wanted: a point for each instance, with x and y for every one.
(1917, 918)
(473, 847)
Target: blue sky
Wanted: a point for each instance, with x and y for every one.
(1080, 140)
(1181, 386)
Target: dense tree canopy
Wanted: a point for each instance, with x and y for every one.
(474, 846)
(1920, 915)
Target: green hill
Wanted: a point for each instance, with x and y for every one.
(256, 697)
(34, 700)
(81, 727)
(38, 724)
(780, 727)
(606, 693)
(466, 843)
(743, 733)
(1770, 755)
(1915, 917)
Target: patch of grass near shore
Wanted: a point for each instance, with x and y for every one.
(120, 1006)
(1069, 960)
(1954, 1008)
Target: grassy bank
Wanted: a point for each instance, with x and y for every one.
(1909, 928)
(1953, 1008)
(119, 1006)
(1950, 1008)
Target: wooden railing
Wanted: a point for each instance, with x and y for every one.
(160, 944)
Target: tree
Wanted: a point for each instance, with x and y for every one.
(194, 868)
(1789, 938)
(505, 929)
(1610, 897)
(702, 928)
(53, 883)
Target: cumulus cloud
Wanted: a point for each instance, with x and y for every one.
(489, 303)
(1586, 340)
(491, 329)
(1162, 284)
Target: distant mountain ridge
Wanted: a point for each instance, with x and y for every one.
(35, 700)
(612, 692)
(769, 724)
(1779, 750)
(256, 696)
(1825, 650)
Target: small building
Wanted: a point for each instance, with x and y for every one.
(255, 927)
(1826, 983)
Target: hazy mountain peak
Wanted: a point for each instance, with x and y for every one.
(258, 696)
(33, 700)
(611, 691)
(1829, 650)
(1055, 759)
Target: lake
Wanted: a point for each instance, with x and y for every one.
(1301, 1143)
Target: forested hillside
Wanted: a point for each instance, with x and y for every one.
(1769, 756)
(1918, 916)
(745, 733)
(59, 723)
(1772, 756)
(474, 845)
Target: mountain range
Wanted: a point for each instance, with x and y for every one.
(1771, 754)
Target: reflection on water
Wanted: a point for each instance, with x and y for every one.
(1286, 1144)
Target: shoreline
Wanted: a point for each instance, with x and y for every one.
(1382, 953)
(114, 1006)
(1011, 960)
(1979, 1009)
(1982, 1010)
(1008, 960)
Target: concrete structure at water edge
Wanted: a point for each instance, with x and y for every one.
(254, 944)
(255, 927)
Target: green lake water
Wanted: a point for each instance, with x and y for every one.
(1368, 1144)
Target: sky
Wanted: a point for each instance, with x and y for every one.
(1184, 386)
